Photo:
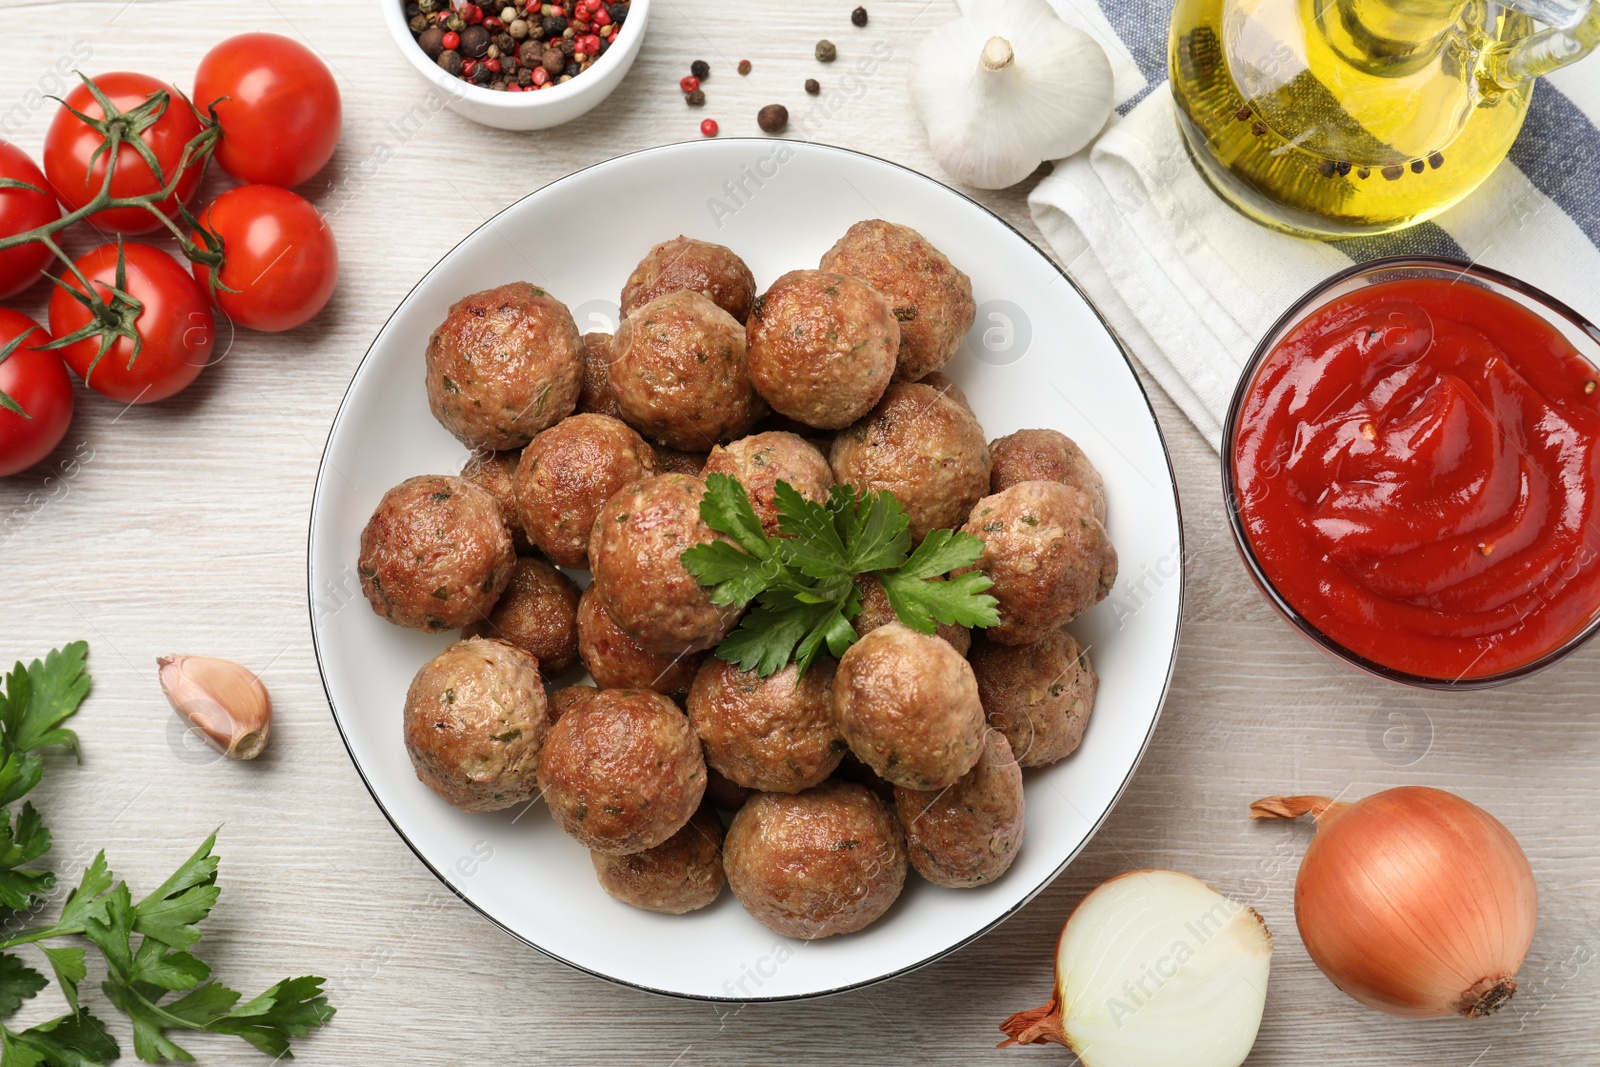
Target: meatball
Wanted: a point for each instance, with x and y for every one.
(679, 875)
(493, 472)
(1045, 456)
(851, 769)
(875, 612)
(594, 392)
(969, 834)
(565, 699)
(821, 347)
(931, 299)
(924, 448)
(436, 553)
(776, 733)
(634, 552)
(723, 794)
(617, 661)
(568, 473)
(1048, 556)
(622, 771)
(678, 373)
(1038, 695)
(475, 720)
(908, 706)
(671, 461)
(698, 266)
(827, 861)
(538, 613)
(505, 364)
(762, 460)
(941, 381)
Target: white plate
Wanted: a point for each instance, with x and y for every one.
(1038, 356)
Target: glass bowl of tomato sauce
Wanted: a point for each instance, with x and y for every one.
(1412, 472)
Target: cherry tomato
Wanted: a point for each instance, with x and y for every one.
(281, 257)
(22, 210)
(71, 144)
(38, 381)
(176, 325)
(280, 123)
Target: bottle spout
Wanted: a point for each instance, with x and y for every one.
(1572, 31)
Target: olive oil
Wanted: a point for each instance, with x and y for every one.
(1336, 118)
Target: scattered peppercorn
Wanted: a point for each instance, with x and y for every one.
(744, 66)
(812, 86)
(695, 98)
(700, 69)
(689, 84)
(826, 52)
(1436, 160)
(772, 118)
(1417, 166)
(1393, 172)
(858, 17)
(709, 127)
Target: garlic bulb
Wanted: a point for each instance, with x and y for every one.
(1155, 968)
(221, 701)
(1007, 86)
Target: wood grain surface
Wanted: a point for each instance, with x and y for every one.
(182, 528)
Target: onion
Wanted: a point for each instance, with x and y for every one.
(1154, 968)
(1413, 901)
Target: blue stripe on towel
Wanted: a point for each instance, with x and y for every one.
(1423, 239)
(1559, 151)
(1142, 25)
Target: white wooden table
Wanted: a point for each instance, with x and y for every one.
(182, 527)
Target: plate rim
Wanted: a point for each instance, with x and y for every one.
(934, 957)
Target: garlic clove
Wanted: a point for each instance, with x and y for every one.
(1036, 88)
(220, 700)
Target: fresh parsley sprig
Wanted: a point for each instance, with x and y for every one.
(805, 583)
(145, 944)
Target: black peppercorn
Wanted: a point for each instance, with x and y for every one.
(554, 61)
(450, 62)
(618, 12)
(567, 46)
(700, 69)
(826, 52)
(413, 9)
(418, 23)
(772, 118)
(506, 43)
(1436, 160)
(1342, 167)
(1393, 172)
(812, 87)
(525, 76)
(858, 17)
(1363, 173)
(474, 42)
(571, 70)
(744, 66)
(1326, 167)
(432, 41)
(695, 98)
(1417, 166)
(553, 25)
(482, 75)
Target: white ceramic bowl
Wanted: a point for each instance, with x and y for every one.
(524, 111)
(1038, 356)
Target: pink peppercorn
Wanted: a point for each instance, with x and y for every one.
(709, 127)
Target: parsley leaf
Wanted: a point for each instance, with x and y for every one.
(803, 583)
(726, 509)
(146, 945)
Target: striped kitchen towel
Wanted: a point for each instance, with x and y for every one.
(1190, 285)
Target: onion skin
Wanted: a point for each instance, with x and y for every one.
(1413, 901)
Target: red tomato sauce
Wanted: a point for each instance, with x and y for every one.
(1418, 472)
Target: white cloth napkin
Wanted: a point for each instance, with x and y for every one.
(1190, 285)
